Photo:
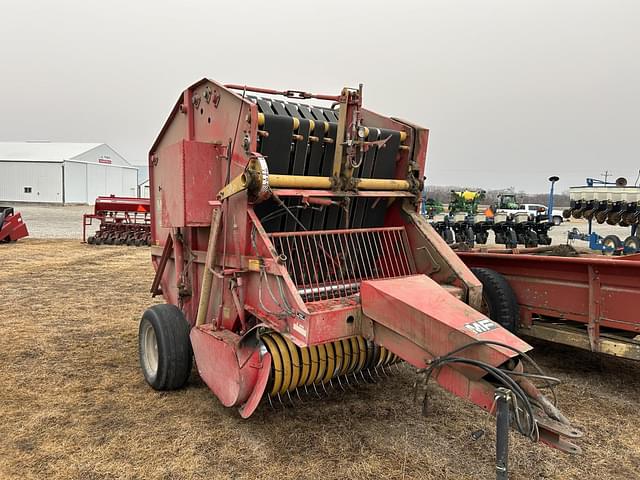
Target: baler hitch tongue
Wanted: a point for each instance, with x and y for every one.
(466, 352)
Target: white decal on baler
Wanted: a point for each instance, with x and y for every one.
(481, 326)
(298, 327)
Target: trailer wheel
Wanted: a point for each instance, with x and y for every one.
(632, 244)
(499, 302)
(164, 347)
(612, 245)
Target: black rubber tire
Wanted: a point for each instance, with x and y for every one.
(498, 297)
(91, 240)
(174, 353)
(614, 245)
(632, 244)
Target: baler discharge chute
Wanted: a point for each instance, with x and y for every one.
(288, 235)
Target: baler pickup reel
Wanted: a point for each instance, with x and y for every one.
(298, 262)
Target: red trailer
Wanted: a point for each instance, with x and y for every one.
(587, 301)
(289, 250)
(12, 227)
(122, 220)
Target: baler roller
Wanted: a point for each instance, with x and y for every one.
(318, 365)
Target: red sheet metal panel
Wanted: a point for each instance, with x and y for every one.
(425, 314)
(121, 204)
(217, 357)
(573, 288)
(186, 177)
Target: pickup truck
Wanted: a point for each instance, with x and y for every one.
(534, 209)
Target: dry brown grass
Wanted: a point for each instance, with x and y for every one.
(74, 403)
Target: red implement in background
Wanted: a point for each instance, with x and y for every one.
(587, 301)
(123, 220)
(12, 227)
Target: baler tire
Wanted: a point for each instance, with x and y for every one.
(498, 298)
(174, 353)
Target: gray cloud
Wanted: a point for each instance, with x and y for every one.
(512, 91)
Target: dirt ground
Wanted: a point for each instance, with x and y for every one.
(75, 405)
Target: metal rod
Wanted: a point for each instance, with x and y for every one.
(316, 182)
(207, 274)
(502, 433)
(327, 288)
(333, 232)
(286, 93)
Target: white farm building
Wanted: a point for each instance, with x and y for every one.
(52, 172)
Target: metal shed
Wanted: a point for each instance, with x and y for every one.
(53, 172)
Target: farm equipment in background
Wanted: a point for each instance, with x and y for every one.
(463, 228)
(506, 201)
(432, 207)
(511, 222)
(12, 227)
(123, 221)
(293, 260)
(613, 203)
(584, 300)
(466, 201)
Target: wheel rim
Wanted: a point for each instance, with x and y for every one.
(609, 247)
(150, 350)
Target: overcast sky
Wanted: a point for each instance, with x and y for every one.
(512, 91)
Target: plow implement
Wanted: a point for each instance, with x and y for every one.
(12, 227)
(122, 221)
(293, 260)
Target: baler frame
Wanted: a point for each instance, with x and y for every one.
(262, 288)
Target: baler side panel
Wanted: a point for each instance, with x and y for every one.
(434, 258)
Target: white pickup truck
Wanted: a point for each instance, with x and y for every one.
(534, 209)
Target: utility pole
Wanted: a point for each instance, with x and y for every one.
(606, 175)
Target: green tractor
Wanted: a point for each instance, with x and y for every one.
(432, 207)
(507, 201)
